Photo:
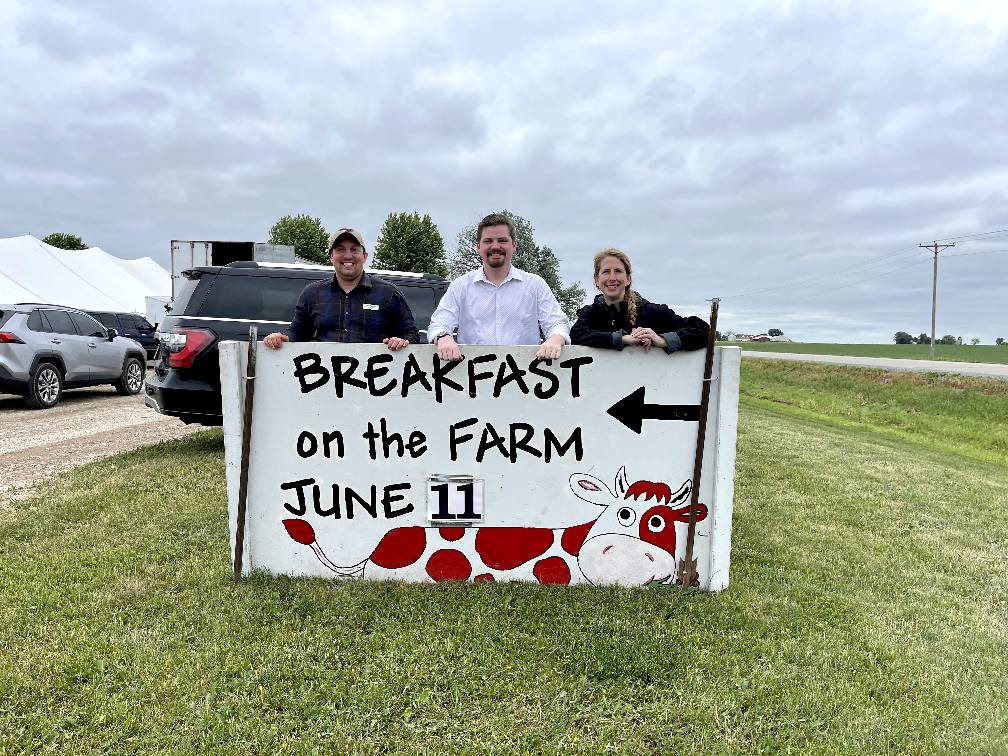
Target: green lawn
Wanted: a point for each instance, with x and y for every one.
(954, 352)
(868, 609)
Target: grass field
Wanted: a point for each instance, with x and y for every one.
(956, 353)
(868, 610)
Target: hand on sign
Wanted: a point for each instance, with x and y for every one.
(447, 349)
(274, 340)
(647, 338)
(394, 343)
(550, 349)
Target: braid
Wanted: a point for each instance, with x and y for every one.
(631, 307)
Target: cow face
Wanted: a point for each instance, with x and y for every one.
(633, 541)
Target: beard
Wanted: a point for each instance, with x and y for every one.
(496, 260)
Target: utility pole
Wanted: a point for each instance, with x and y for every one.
(936, 248)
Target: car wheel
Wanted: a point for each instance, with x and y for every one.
(45, 387)
(132, 378)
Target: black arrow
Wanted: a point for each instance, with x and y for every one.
(631, 411)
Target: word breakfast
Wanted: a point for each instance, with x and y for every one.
(481, 372)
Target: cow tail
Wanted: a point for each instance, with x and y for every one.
(352, 571)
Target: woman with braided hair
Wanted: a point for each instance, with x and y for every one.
(621, 317)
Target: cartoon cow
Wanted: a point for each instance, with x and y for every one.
(630, 543)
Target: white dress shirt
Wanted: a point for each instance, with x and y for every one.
(511, 313)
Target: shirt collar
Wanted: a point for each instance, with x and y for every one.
(513, 275)
(600, 300)
(365, 282)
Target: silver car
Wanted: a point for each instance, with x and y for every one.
(45, 349)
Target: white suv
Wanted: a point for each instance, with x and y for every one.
(45, 349)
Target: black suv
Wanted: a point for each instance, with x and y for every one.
(220, 303)
(131, 326)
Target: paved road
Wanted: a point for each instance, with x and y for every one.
(87, 424)
(977, 369)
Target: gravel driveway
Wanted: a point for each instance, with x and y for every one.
(87, 424)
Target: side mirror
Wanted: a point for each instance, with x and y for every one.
(112, 333)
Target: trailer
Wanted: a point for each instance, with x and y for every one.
(186, 254)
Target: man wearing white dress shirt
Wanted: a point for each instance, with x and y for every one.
(498, 303)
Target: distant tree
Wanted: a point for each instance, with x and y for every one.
(307, 235)
(959, 340)
(410, 243)
(902, 337)
(528, 256)
(974, 341)
(999, 341)
(64, 241)
(775, 332)
(947, 339)
(729, 335)
(718, 336)
(923, 339)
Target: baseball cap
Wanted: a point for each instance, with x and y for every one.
(352, 232)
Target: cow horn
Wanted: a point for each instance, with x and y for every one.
(621, 481)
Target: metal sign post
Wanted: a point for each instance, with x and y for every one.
(688, 576)
(246, 445)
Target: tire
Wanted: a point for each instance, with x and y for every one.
(45, 387)
(132, 378)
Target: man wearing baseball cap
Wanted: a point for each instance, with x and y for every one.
(353, 306)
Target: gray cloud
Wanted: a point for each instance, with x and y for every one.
(805, 150)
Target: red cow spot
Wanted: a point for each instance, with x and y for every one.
(451, 534)
(448, 564)
(573, 538)
(300, 531)
(552, 570)
(657, 527)
(507, 548)
(400, 548)
(483, 577)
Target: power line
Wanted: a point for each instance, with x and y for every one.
(816, 278)
(880, 274)
(819, 291)
(823, 277)
(984, 252)
(973, 236)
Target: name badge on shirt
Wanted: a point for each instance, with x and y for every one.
(370, 306)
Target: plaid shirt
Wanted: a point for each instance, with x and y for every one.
(374, 310)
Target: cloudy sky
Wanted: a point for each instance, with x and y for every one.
(787, 157)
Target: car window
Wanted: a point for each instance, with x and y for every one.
(184, 289)
(421, 302)
(38, 323)
(253, 297)
(86, 325)
(107, 319)
(59, 322)
(140, 324)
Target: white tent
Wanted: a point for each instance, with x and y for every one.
(152, 275)
(91, 279)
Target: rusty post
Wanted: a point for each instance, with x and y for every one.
(688, 573)
(249, 379)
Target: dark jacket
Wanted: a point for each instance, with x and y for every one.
(374, 310)
(602, 325)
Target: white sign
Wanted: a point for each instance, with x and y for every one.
(366, 463)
